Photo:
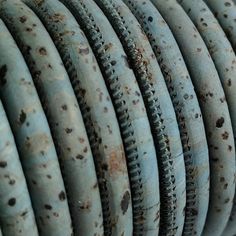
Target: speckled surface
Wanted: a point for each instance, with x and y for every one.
(187, 110)
(215, 114)
(33, 138)
(118, 117)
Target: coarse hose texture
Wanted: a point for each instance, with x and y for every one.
(117, 117)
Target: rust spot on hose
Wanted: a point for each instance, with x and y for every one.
(11, 201)
(83, 51)
(220, 122)
(125, 202)
(23, 19)
(62, 196)
(3, 164)
(22, 117)
(225, 135)
(42, 51)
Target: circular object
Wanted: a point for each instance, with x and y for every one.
(99, 116)
(160, 112)
(131, 114)
(33, 138)
(215, 113)
(187, 111)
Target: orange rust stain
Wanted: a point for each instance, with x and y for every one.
(58, 17)
(116, 163)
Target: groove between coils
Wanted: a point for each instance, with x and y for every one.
(117, 117)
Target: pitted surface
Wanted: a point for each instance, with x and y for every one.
(130, 111)
(160, 112)
(120, 117)
(99, 116)
(63, 113)
(33, 139)
(215, 113)
(187, 111)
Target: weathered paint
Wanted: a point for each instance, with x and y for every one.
(230, 228)
(65, 120)
(131, 113)
(160, 111)
(99, 115)
(225, 12)
(33, 138)
(187, 110)
(220, 50)
(16, 213)
(215, 113)
(222, 54)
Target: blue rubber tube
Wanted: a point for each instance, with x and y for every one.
(158, 104)
(99, 116)
(224, 58)
(215, 113)
(65, 120)
(130, 111)
(33, 139)
(187, 111)
(16, 212)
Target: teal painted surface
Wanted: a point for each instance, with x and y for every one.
(225, 12)
(121, 116)
(16, 213)
(130, 111)
(64, 116)
(187, 111)
(33, 139)
(99, 116)
(160, 112)
(224, 58)
(215, 113)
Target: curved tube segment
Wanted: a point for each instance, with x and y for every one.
(223, 56)
(187, 111)
(158, 104)
(130, 111)
(215, 113)
(65, 120)
(225, 12)
(16, 213)
(99, 117)
(33, 139)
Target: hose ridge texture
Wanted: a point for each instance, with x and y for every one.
(98, 39)
(13, 184)
(33, 139)
(215, 112)
(138, 52)
(187, 111)
(63, 114)
(113, 179)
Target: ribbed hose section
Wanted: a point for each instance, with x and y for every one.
(187, 111)
(215, 112)
(130, 112)
(159, 108)
(33, 139)
(99, 116)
